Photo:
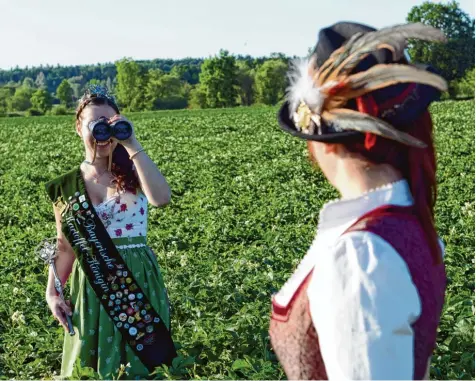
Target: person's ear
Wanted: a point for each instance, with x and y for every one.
(78, 128)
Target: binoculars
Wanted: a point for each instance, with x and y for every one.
(102, 130)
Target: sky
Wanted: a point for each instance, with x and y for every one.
(65, 32)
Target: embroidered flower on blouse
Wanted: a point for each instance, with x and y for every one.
(129, 226)
(142, 211)
(118, 232)
(123, 207)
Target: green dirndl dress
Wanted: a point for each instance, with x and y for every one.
(98, 344)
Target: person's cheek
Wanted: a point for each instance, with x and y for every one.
(87, 137)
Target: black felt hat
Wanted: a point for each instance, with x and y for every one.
(397, 104)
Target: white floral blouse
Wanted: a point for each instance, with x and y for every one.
(125, 214)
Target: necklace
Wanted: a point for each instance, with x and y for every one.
(97, 176)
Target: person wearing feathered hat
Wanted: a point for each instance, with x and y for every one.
(366, 300)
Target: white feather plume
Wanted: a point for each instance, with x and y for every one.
(302, 88)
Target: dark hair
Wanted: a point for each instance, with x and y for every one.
(417, 165)
(122, 166)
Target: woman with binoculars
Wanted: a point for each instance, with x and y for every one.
(119, 305)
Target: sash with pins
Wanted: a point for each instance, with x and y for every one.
(113, 283)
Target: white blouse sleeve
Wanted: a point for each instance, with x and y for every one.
(362, 303)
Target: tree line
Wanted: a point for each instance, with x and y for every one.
(221, 81)
(224, 80)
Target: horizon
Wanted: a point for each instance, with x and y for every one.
(44, 36)
(138, 60)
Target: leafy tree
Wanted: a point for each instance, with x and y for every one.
(6, 94)
(154, 75)
(94, 82)
(59, 110)
(463, 87)
(179, 71)
(197, 97)
(246, 81)
(271, 81)
(21, 100)
(186, 90)
(192, 75)
(110, 84)
(218, 80)
(129, 84)
(455, 57)
(28, 82)
(77, 86)
(65, 93)
(40, 81)
(165, 91)
(12, 84)
(54, 79)
(41, 100)
(279, 56)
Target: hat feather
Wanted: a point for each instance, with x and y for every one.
(344, 119)
(394, 38)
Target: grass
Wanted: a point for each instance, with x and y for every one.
(244, 210)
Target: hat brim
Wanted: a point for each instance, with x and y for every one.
(287, 124)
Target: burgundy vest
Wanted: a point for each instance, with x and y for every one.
(293, 336)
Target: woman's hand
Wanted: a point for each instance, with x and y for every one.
(151, 181)
(131, 143)
(59, 308)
